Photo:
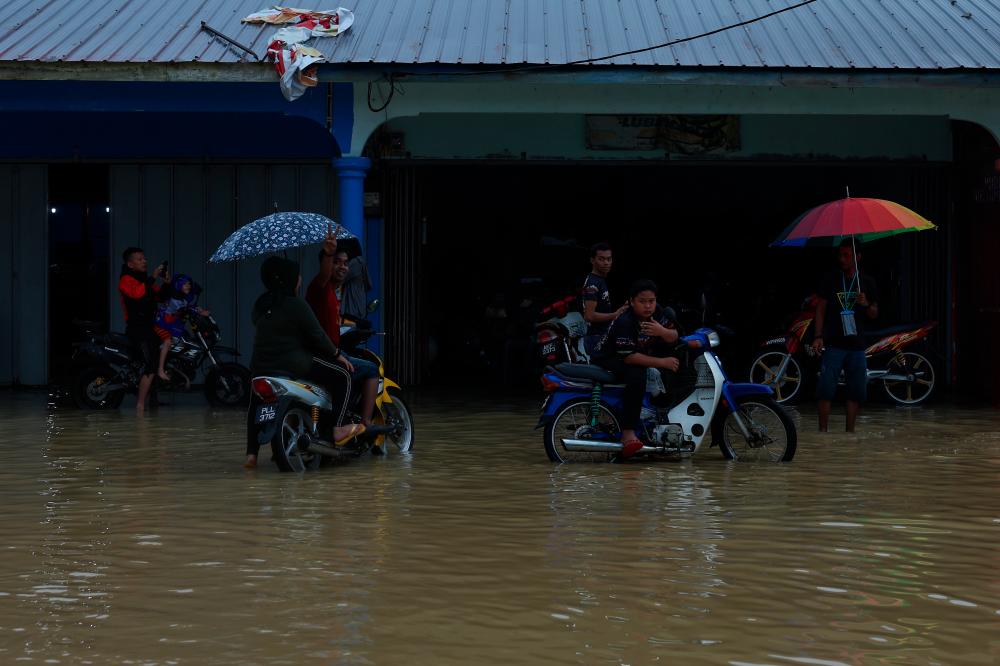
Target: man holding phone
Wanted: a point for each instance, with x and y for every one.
(595, 296)
(140, 295)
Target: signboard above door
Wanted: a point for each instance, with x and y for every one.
(680, 134)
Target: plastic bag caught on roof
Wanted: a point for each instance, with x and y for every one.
(292, 35)
(295, 65)
(322, 23)
(278, 15)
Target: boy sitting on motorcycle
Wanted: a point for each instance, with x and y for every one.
(636, 341)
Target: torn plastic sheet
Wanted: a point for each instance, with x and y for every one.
(295, 62)
(296, 69)
(321, 23)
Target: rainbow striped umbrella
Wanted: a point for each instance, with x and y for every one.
(863, 219)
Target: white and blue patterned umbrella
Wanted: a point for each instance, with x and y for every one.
(277, 232)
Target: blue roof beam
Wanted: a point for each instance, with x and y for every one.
(330, 106)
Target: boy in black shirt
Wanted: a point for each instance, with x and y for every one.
(598, 311)
(636, 340)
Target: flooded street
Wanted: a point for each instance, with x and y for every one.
(146, 543)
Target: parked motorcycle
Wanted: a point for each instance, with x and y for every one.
(110, 367)
(290, 415)
(559, 337)
(788, 364)
(581, 415)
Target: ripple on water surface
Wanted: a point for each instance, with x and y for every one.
(145, 542)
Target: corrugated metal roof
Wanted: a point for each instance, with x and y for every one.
(828, 34)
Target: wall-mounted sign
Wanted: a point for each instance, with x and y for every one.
(683, 134)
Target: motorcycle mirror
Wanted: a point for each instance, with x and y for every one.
(725, 330)
(374, 305)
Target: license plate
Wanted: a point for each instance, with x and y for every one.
(549, 348)
(266, 413)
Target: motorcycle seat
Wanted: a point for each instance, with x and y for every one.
(891, 330)
(278, 374)
(590, 373)
(89, 325)
(120, 339)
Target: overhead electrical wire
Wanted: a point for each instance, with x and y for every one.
(390, 78)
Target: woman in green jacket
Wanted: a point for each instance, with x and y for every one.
(289, 340)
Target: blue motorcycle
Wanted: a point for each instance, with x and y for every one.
(582, 413)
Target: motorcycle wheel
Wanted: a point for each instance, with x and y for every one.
(906, 392)
(88, 392)
(764, 370)
(773, 435)
(295, 424)
(573, 421)
(228, 385)
(398, 412)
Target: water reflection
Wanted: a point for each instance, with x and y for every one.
(145, 542)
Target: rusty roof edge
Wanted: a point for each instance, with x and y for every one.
(208, 72)
(192, 72)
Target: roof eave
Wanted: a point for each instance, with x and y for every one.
(255, 72)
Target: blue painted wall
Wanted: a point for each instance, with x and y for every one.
(102, 119)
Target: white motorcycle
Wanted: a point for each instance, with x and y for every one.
(582, 415)
(289, 414)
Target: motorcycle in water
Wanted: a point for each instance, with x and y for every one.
(788, 363)
(290, 415)
(581, 416)
(110, 367)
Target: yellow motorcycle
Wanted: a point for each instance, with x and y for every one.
(389, 406)
(290, 415)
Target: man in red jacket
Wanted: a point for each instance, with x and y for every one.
(324, 297)
(140, 295)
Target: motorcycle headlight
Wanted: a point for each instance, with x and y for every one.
(713, 339)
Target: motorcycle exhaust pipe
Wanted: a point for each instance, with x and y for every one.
(325, 449)
(590, 446)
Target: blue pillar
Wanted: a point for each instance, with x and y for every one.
(351, 174)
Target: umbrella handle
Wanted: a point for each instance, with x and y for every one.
(857, 268)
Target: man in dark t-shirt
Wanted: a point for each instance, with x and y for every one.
(847, 302)
(595, 296)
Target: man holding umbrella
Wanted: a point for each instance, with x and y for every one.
(847, 301)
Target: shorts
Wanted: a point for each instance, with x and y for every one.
(363, 369)
(162, 333)
(855, 367)
(147, 348)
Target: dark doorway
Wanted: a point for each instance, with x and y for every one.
(498, 241)
(79, 227)
(977, 244)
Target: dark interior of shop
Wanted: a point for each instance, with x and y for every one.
(79, 261)
(503, 241)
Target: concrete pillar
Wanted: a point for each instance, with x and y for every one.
(351, 173)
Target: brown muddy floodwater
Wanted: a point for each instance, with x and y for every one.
(126, 542)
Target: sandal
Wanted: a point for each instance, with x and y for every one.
(630, 448)
(356, 430)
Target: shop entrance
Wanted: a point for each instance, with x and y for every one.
(79, 255)
(497, 242)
